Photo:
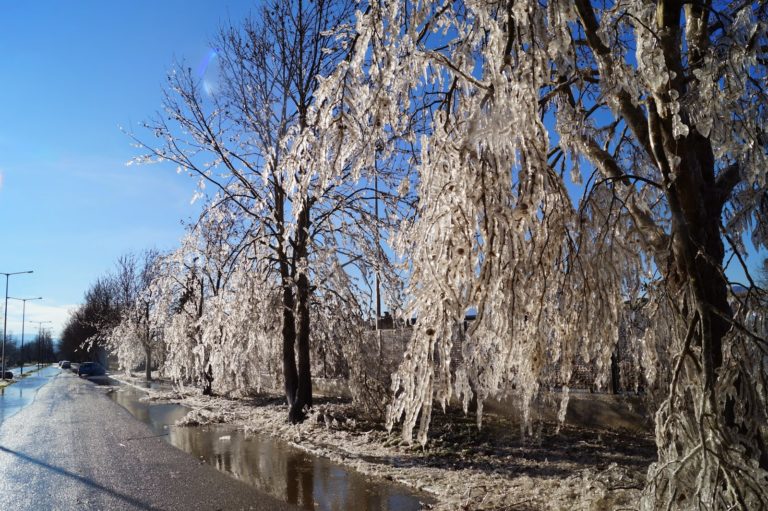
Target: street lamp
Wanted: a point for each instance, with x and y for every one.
(23, 316)
(5, 319)
(39, 336)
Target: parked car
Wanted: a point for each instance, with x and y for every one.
(65, 364)
(90, 369)
(8, 375)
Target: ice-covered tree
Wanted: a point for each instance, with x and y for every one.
(571, 156)
(137, 338)
(181, 294)
(303, 230)
(214, 301)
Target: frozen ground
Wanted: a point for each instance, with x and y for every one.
(490, 469)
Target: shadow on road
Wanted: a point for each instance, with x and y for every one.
(93, 484)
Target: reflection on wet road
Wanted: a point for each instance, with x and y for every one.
(15, 397)
(268, 464)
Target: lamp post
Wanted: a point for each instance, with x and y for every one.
(5, 319)
(23, 321)
(39, 337)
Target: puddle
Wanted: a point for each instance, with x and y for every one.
(15, 397)
(154, 385)
(270, 465)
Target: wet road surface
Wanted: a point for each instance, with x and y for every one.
(18, 395)
(70, 447)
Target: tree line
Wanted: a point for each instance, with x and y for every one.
(36, 348)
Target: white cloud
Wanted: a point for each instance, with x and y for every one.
(36, 311)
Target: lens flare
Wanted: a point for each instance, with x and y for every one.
(209, 83)
(206, 62)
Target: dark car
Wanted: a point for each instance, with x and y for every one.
(65, 364)
(8, 375)
(90, 369)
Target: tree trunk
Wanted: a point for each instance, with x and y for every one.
(698, 421)
(208, 372)
(304, 395)
(702, 262)
(303, 295)
(208, 381)
(148, 357)
(290, 375)
(148, 341)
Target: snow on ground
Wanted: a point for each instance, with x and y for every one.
(462, 467)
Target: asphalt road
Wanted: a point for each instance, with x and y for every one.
(74, 448)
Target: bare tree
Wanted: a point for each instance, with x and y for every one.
(89, 326)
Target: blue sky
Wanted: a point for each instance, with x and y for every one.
(72, 74)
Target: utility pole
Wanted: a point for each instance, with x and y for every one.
(5, 318)
(23, 317)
